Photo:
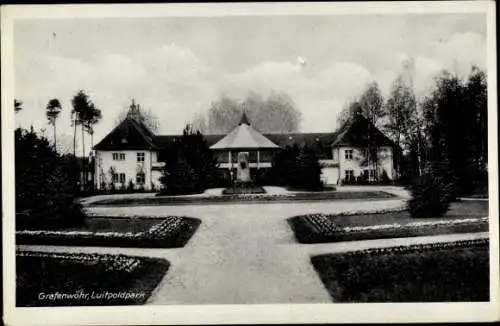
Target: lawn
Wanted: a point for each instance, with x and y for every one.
(49, 279)
(462, 217)
(457, 271)
(168, 232)
(233, 199)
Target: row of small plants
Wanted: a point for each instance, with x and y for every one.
(437, 272)
(171, 232)
(317, 228)
(110, 262)
(316, 196)
(79, 279)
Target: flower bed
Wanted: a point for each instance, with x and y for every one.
(317, 228)
(439, 272)
(63, 279)
(201, 200)
(169, 232)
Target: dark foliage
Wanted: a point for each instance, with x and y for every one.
(190, 165)
(431, 195)
(441, 272)
(297, 168)
(306, 172)
(456, 118)
(90, 273)
(46, 184)
(180, 178)
(283, 165)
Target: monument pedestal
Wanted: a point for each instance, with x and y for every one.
(243, 170)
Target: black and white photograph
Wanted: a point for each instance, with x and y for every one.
(212, 155)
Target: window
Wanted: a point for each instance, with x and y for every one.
(140, 157)
(349, 174)
(140, 178)
(122, 178)
(348, 154)
(115, 177)
(118, 156)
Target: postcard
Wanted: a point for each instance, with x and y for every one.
(247, 163)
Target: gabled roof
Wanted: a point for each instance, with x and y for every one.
(357, 131)
(130, 134)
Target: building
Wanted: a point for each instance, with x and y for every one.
(130, 152)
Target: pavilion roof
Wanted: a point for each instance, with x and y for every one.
(244, 137)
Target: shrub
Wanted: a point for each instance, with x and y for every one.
(180, 178)
(431, 196)
(384, 178)
(46, 184)
(130, 186)
(307, 171)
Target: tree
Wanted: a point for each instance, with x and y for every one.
(45, 184)
(283, 165)
(179, 177)
(449, 143)
(146, 117)
(476, 102)
(82, 107)
(371, 104)
(404, 126)
(277, 113)
(350, 108)
(17, 105)
(53, 110)
(199, 156)
(307, 171)
(223, 115)
(192, 159)
(297, 167)
(93, 117)
(456, 115)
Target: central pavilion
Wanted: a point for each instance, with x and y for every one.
(244, 149)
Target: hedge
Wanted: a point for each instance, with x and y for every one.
(438, 272)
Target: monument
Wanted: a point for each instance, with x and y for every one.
(243, 169)
(243, 141)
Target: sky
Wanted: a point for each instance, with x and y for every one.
(176, 66)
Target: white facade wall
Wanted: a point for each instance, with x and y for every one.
(330, 175)
(386, 161)
(130, 167)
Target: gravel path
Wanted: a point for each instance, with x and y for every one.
(245, 253)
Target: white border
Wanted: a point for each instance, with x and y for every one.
(236, 314)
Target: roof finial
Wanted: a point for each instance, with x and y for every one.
(244, 119)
